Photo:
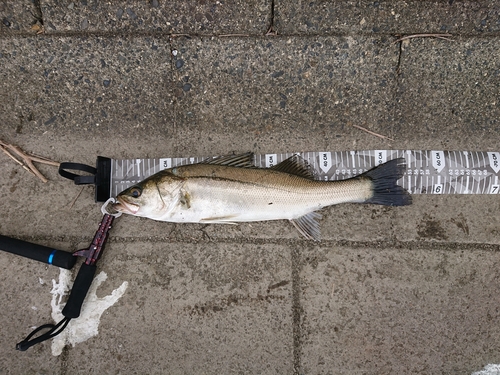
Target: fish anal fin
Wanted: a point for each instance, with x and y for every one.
(309, 226)
(297, 166)
(241, 161)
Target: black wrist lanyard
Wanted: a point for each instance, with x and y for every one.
(80, 287)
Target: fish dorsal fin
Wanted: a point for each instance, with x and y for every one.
(296, 165)
(308, 225)
(241, 161)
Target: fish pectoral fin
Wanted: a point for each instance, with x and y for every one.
(308, 225)
(219, 220)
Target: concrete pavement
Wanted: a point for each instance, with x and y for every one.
(387, 291)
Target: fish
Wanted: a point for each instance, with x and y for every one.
(230, 190)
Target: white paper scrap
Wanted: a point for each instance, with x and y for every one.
(86, 325)
(489, 370)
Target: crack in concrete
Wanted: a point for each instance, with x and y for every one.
(296, 312)
(175, 78)
(38, 11)
(400, 53)
(381, 244)
(270, 29)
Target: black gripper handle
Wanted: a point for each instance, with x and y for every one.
(40, 253)
(79, 291)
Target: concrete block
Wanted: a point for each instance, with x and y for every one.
(450, 90)
(398, 310)
(173, 17)
(386, 17)
(283, 94)
(19, 17)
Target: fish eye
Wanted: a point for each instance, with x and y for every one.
(135, 192)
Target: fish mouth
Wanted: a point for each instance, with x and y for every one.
(125, 207)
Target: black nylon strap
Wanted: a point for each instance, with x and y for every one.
(78, 179)
(100, 176)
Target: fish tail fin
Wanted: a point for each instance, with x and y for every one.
(385, 189)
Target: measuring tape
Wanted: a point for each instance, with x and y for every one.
(428, 172)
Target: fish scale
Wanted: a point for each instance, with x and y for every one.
(259, 195)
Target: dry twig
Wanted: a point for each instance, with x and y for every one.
(271, 31)
(76, 198)
(28, 159)
(38, 28)
(413, 36)
(233, 35)
(179, 35)
(373, 133)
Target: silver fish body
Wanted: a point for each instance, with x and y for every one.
(229, 190)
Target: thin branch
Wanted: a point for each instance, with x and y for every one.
(234, 35)
(179, 35)
(372, 133)
(413, 36)
(74, 200)
(17, 161)
(41, 159)
(27, 158)
(271, 31)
